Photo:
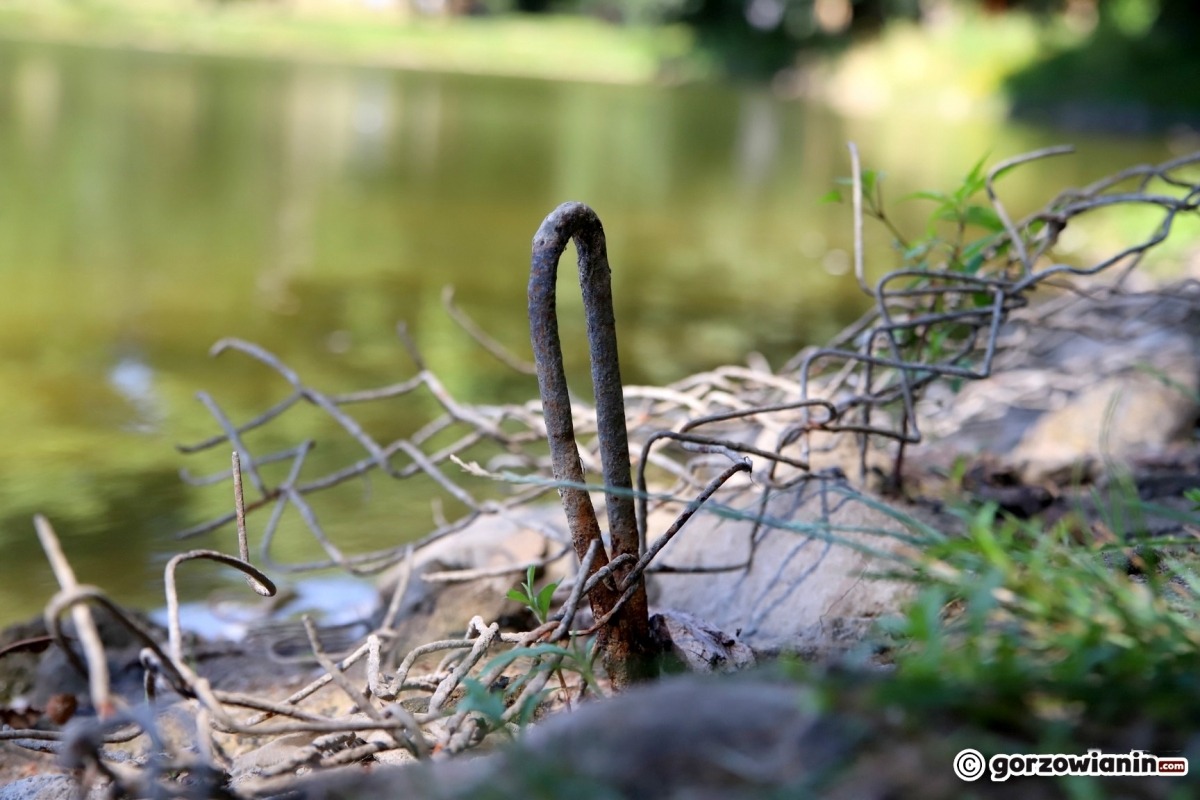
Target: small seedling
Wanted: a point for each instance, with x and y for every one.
(1193, 497)
(487, 704)
(538, 601)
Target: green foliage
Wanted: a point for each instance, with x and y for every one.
(1130, 70)
(957, 207)
(961, 210)
(1028, 630)
(487, 704)
(579, 47)
(577, 657)
(1132, 17)
(1193, 497)
(961, 248)
(491, 705)
(962, 236)
(536, 600)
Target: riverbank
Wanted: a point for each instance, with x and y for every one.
(1050, 611)
(547, 47)
(972, 637)
(307, 209)
(959, 64)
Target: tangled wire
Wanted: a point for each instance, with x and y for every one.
(936, 317)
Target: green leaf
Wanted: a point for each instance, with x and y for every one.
(976, 254)
(975, 181)
(543, 600)
(984, 217)
(918, 251)
(870, 179)
(518, 595)
(478, 699)
(983, 534)
(978, 246)
(976, 173)
(832, 196)
(973, 264)
(936, 344)
(536, 651)
(936, 197)
(1193, 497)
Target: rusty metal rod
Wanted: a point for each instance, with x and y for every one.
(579, 222)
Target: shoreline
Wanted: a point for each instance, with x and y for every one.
(570, 49)
(908, 70)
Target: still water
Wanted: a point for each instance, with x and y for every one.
(150, 205)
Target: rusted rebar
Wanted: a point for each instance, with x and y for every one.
(627, 642)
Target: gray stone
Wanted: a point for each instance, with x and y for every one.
(682, 738)
(442, 597)
(699, 646)
(1078, 385)
(41, 787)
(808, 580)
(1112, 421)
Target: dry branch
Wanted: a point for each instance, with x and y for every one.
(699, 433)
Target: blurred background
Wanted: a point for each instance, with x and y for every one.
(306, 173)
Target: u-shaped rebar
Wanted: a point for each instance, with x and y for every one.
(577, 221)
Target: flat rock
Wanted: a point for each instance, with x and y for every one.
(1114, 420)
(750, 737)
(1079, 383)
(42, 787)
(805, 580)
(697, 738)
(446, 588)
(699, 646)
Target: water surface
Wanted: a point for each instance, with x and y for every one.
(150, 205)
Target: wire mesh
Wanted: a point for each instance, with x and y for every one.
(936, 317)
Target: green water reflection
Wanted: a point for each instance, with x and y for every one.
(150, 205)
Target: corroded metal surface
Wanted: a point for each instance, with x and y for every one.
(577, 221)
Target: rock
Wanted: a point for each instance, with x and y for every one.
(392, 756)
(493, 541)
(42, 787)
(705, 738)
(292, 751)
(805, 582)
(436, 604)
(1078, 384)
(1116, 419)
(699, 646)
(749, 737)
(682, 738)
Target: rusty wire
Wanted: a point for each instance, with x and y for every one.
(886, 357)
(373, 708)
(688, 439)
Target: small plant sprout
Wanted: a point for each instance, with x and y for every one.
(538, 602)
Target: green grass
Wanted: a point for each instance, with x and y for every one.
(1042, 636)
(1024, 638)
